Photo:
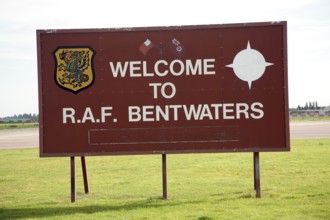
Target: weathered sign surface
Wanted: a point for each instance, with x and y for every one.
(212, 88)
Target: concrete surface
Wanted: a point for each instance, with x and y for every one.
(29, 137)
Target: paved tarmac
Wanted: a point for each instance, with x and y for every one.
(29, 137)
(19, 138)
(310, 130)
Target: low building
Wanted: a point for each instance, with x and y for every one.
(322, 112)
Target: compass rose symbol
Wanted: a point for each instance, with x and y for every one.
(249, 65)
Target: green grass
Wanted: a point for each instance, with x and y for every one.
(294, 185)
(19, 125)
(310, 119)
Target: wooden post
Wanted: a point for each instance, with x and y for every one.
(84, 171)
(256, 174)
(164, 176)
(73, 180)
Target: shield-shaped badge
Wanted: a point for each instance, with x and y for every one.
(74, 68)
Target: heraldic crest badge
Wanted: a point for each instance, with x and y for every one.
(74, 68)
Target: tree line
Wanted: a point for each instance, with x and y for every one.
(33, 117)
(309, 106)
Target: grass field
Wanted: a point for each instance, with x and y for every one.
(294, 185)
(19, 125)
(311, 119)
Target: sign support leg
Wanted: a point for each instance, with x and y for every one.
(256, 169)
(73, 180)
(164, 176)
(84, 171)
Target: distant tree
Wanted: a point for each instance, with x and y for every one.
(35, 118)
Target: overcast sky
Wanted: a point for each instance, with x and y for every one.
(308, 37)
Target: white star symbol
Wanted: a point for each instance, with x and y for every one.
(249, 65)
